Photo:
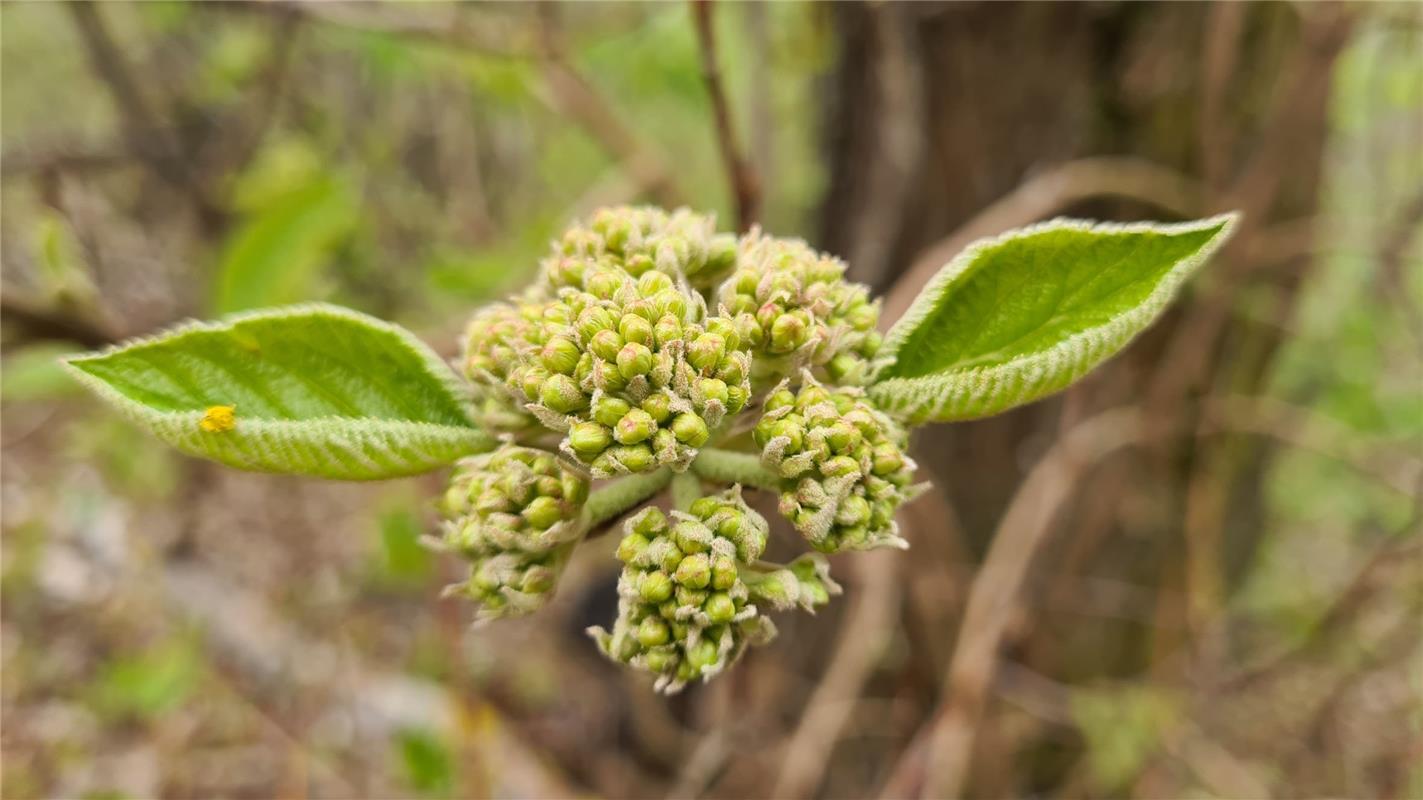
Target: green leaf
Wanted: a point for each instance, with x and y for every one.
(1018, 317)
(429, 767)
(275, 255)
(312, 390)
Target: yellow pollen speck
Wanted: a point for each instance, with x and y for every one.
(218, 419)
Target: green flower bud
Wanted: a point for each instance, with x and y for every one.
(543, 512)
(666, 331)
(634, 360)
(694, 571)
(655, 586)
(690, 429)
(588, 439)
(560, 355)
(658, 406)
(844, 464)
(713, 390)
(719, 608)
(736, 398)
(631, 547)
(605, 344)
(635, 329)
(789, 332)
(608, 411)
(635, 426)
(592, 321)
(653, 632)
(724, 573)
(518, 530)
(561, 393)
(635, 458)
(706, 351)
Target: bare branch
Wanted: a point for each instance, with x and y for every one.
(147, 138)
(34, 320)
(745, 185)
(862, 640)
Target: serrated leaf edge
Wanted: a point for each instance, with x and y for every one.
(438, 443)
(437, 367)
(924, 398)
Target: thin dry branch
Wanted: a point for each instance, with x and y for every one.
(1044, 195)
(33, 320)
(565, 89)
(146, 136)
(995, 591)
(863, 638)
(745, 184)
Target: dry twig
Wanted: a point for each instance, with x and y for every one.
(745, 185)
(862, 640)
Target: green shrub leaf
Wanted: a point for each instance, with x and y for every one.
(1018, 317)
(311, 389)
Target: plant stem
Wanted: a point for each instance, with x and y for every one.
(726, 466)
(613, 499)
(686, 488)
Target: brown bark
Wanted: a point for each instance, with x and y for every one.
(1007, 90)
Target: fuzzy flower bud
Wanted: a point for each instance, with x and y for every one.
(684, 612)
(842, 462)
(797, 310)
(515, 515)
(641, 240)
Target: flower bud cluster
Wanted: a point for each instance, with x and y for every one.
(641, 238)
(843, 462)
(514, 514)
(493, 342)
(684, 611)
(803, 311)
(621, 368)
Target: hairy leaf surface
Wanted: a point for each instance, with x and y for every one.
(1015, 318)
(312, 389)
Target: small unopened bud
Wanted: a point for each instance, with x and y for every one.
(694, 571)
(635, 328)
(653, 632)
(690, 430)
(706, 351)
(605, 344)
(560, 355)
(658, 406)
(561, 393)
(655, 586)
(635, 426)
(633, 360)
(788, 332)
(631, 546)
(589, 438)
(719, 608)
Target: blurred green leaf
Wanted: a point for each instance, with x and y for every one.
(34, 372)
(149, 683)
(427, 763)
(406, 560)
(63, 272)
(276, 254)
(1124, 727)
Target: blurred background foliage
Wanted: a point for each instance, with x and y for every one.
(175, 629)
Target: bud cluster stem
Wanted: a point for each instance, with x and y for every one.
(728, 466)
(616, 497)
(686, 488)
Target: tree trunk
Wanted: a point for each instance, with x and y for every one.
(939, 110)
